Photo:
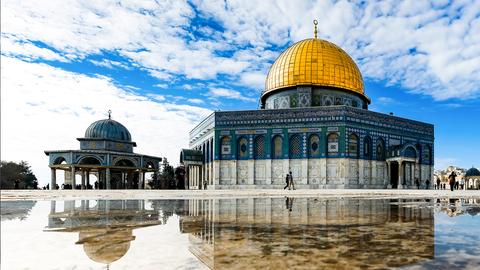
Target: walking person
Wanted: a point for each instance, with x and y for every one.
(438, 183)
(451, 179)
(417, 183)
(427, 184)
(287, 179)
(292, 183)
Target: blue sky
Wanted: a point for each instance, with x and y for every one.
(161, 66)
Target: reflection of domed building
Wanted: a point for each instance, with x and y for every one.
(289, 233)
(105, 230)
(107, 152)
(314, 121)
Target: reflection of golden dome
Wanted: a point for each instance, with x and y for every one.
(106, 246)
(314, 62)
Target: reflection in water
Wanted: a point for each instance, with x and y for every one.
(312, 233)
(15, 209)
(459, 206)
(268, 232)
(105, 230)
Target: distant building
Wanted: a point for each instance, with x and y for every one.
(106, 151)
(470, 177)
(314, 121)
(443, 175)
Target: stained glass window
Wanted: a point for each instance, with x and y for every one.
(332, 144)
(427, 154)
(242, 148)
(259, 147)
(353, 146)
(367, 145)
(225, 146)
(380, 149)
(314, 144)
(295, 147)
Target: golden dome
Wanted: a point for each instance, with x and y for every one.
(106, 245)
(314, 62)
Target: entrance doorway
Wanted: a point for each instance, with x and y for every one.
(394, 174)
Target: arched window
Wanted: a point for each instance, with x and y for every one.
(380, 149)
(410, 152)
(259, 147)
(332, 144)
(295, 149)
(367, 147)
(277, 151)
(242, 148)
(314, 146)
(225, 147)
(427, 155)
(353, 146)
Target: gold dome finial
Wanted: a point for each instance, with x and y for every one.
(315, 22)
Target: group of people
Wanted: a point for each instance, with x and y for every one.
(417, 183)
(452, 182)
(290, 183)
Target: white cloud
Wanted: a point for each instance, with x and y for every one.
(28, 51)
(384, 100)
(428, 47)
(195, 100)
(109, 64)
(161, 85)
(230, 94)
(46, 108)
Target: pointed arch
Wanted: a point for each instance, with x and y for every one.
(353, 145)
(277, 147)
(313, 146)
(380, 149)
(332, 144)
(295, 149)
(242, 148)
(259, 147)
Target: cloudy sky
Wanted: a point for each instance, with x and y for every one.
(161, 66)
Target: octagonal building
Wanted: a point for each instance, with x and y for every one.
(314, 122)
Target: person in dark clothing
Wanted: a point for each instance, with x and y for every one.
(438, 183)
(427, 184)
(452, 181)
(292, 183)
(417, 183)
(287, 179)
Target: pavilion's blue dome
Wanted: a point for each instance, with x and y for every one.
(472, 172)
(108, 129)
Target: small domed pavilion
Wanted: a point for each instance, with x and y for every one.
(472, 179)
(107, 152)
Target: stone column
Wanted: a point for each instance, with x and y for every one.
(400, 174)
(107, 178)
(88, 177)
(140, 179)
(73, 177)
(387, 182)
(53, 205)
(53, 181)
(83, 179)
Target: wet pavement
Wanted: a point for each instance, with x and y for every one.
(242, 233)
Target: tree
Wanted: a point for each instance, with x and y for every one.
(17, 175)
(167, 175)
